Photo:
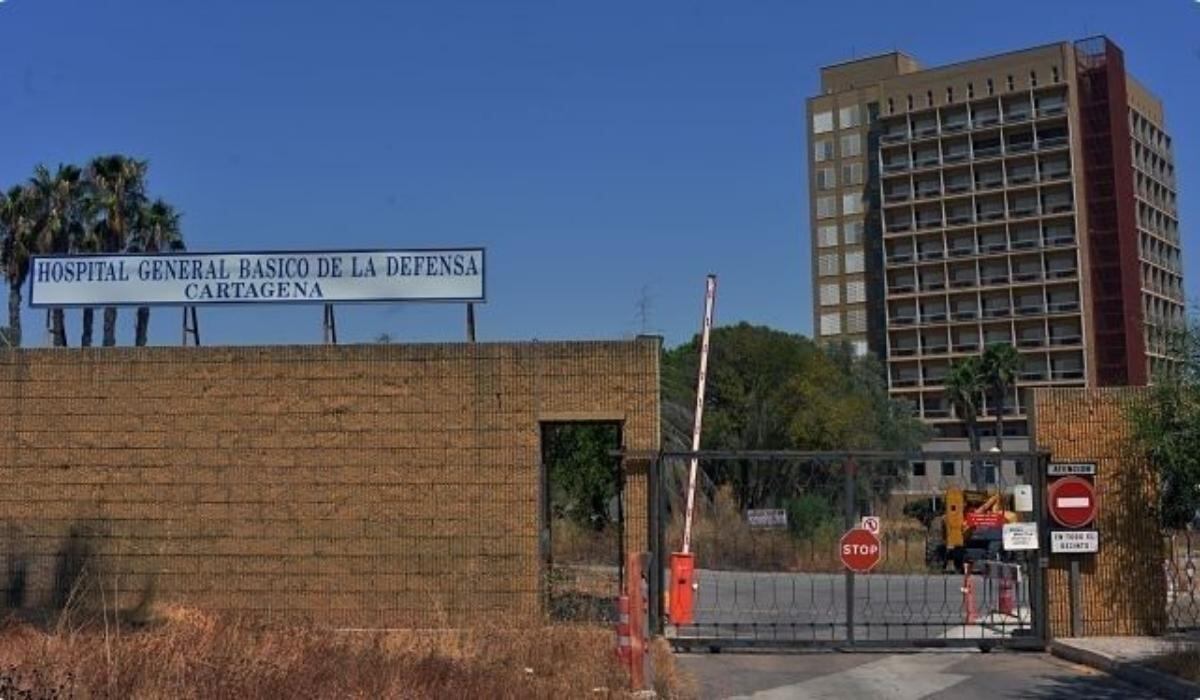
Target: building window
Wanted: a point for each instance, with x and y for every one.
(910, 103)
(950, 94)
(1054, 73)
(1010, 83)
(891, 106)
(970, 91)
(826, 207)
(918, 468)
(852, 203)
(831, 324)
(929, 98)
(822, 150)
(826, 179)
(949, 469)
(856, 292)
(853, 232)
(827, 264)
(851, 145)
(991, 87)
(822, 122)
(849, 116)
(860, 348)
(831, 294)
(852, 174)
(854, 261)
(827, 235)
(856, 321)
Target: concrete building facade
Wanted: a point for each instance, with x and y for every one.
(1027, 198)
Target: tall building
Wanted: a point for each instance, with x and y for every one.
(1026, 198)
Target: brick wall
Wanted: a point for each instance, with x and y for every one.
(382, 485)
(1123, 588)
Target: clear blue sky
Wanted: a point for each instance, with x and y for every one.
(597, 149)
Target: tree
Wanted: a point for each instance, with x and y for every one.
(965, 385)
(771, 390)
(581, 471)
(119, 186)
(1001, 364)
(1165, 423)
(57, 204)
(157, 230)
(16, 235)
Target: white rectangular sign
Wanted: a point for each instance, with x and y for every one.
(1018, 536)
(240, 278)
(1074, 541)
(767, 517)
(1070, 469)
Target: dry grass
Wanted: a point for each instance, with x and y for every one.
(1184, 663)
(571, 543)
(723, 540)
(195, 655)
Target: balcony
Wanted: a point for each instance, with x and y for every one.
(1053, 142)
(957, 187)
(895, 166)
(966, 347)
(904, 351)
(934, 413)
(991, 215)
(987, 152)
(902, 289)
(1051, 110)
(1031, 342)
(1058, 206)
(1066, 374)
(983, 119)
(1022, 212)
(961, 251)
(926, 161)
(1060, 273)
(934, 317)
(1057, 174)
(894, 137)
(1027, 276)
(902, 382)
(1060, 241)
(899, 226)
(993, 247)
(941, 349)
(926, 192)
(955, 156)
(1021, 178)
(1034, 375)
(958, 219)
(997, 312)
(1031, 310)
(989, 184)
(899, 258)
(929, 223)
(1062, 307)
(963, 283)
(1065, 340)
(904, 320)
(1019, 146)
(994, 278)
(954, 126)
(1018, 115)
(965, 314)
(924, 130)
(897, 196)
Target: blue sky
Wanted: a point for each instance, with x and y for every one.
(603, 152)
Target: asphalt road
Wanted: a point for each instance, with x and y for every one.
(799, 606)
(944, 675)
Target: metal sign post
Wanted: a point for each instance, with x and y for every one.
(191, 326)
(330, 326)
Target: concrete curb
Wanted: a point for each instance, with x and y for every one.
(1155, 681)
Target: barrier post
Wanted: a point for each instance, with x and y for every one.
(968, 591)
(636, 590)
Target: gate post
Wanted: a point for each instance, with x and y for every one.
(850, 471)
(656, 539)
(1037, 572)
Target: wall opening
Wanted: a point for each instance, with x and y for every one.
(583, 516)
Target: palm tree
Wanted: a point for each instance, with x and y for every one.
(88, 242)
(157, 231)
(119, 186)
(1001, 363)
(57, 202)
(965, 386)
(16, 236)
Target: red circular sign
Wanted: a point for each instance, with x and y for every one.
(860, 550)
(1072, 501)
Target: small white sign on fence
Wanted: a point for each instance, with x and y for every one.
(775, 518)
(1074, 541)
(1020, 536)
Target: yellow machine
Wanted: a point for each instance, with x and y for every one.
(969, 528)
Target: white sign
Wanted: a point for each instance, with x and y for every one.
(767, 517)
(1070, 469)
(239, 278)
(1022, 498)
(1019, 536)
(870, 523)
(1074, 541)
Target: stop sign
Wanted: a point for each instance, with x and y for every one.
(1072, 501)
(859, 550)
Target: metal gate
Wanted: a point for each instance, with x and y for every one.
(766, 541)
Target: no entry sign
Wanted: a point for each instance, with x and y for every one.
(860, 550)
(1072, 501)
